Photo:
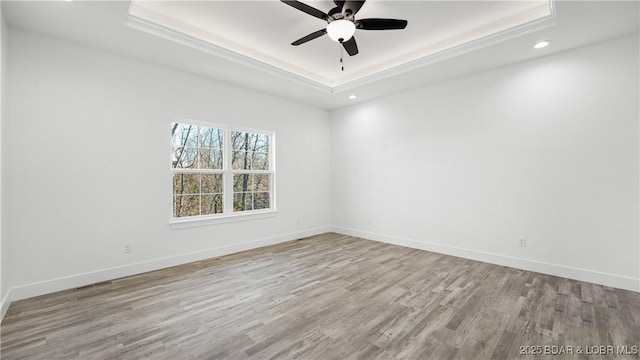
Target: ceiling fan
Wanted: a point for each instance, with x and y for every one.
(342, 23)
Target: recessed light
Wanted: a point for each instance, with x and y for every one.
(352, 97)
(542, 44)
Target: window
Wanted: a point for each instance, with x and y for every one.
(220, 171)
(251, 175)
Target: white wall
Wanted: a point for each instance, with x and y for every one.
(4, 284)
(88, 165)
(546, 149)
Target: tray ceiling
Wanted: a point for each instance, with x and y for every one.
(262, 31)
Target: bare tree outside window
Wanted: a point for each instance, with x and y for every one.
(199, 173)
(197, 153)
(251, 187)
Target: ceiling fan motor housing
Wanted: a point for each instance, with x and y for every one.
(335, 14)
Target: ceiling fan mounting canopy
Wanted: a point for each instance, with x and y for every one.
(341, 23)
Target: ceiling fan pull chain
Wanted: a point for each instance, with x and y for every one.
(341, 58)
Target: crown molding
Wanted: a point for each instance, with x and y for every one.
(366, 76)
(451, 52)
(166, 33)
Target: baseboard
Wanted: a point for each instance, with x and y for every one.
(70, 282)
(591, 276)
(4, 305)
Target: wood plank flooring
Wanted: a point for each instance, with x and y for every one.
(325, 297)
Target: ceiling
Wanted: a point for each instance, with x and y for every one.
(247, 43)
(264, 30)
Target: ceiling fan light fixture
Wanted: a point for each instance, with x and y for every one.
(341, 30)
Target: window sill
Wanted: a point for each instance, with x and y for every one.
(220, 219)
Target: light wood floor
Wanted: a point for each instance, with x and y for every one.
(324, 297)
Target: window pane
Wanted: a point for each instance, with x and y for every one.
(186, 205)
(210, 159)
(262, 143)
(210, 137)
(211, 183)
(184, 135)
(211, 204)
(250, 151)
(240, 140)
(251, 192)
(259, 161)
(242, 182)
(185, 158)
(240, 161)
(243, 160)
(261, 200)
(196, 147)
(261, 182)
(186, 183)
(242, 201)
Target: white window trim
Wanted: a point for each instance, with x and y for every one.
(228, 214)
(194, 221)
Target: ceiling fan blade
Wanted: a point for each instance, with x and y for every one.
(381, 24)
(351, 46)
(309, 37)
(351, 7)
(306, 8)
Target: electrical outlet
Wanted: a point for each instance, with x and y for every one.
(522, 242)
(128, 248)
(298, 221)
